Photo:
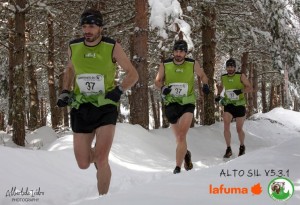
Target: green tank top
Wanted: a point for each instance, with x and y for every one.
(94, 71)
(231, 83)
(181, 77)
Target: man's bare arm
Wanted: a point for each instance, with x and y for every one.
(159, 80)
(69, 74)
(200, 72)
(131, 74)
(248, 88)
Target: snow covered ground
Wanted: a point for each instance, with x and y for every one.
(45, 172)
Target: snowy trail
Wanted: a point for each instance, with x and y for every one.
(142, 163)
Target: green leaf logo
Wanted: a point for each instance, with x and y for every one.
(281, 189)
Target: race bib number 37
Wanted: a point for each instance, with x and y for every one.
(179, 89)
(90, 83)
(231, 95)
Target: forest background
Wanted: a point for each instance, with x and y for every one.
(263, 36)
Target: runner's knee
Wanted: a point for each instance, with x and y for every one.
(101, 159)
(83, 164)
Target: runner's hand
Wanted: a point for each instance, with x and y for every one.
(64, 98)
(218, 98)
(238, 92)
(205, 89)
(166, 89)
(114, 94)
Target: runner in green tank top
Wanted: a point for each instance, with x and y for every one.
(91, 69)
(235, 84)
(175, 79)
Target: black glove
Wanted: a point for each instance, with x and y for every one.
(64, 98)
(166, 89)
(218, 98)
(205, 89)
(114, 94)
(237, 92)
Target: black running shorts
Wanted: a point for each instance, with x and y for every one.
(88, 117)
(235, 111)
(174, 111)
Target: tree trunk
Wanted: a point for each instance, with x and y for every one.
(1, 120)
(11, 38)
(165, 123)
(51, 77)
(43, 112)
(255, 88)
(208, 50)
(285, 88)
(244, 62)
(272, 97)
(33, 118)
(18, 75)
(154, 110)
(264, 95)
(278, 96)
(140, 114)
(250, 95)
(197, 115)
(296, 104)
(158, 108)
(61, 111)
(282, 95)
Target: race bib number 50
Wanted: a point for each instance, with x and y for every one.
(179, 89)
(90, 83)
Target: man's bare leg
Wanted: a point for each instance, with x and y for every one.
(180, 130)
(227, 117)
(104, 139)
(82, 149)
(239, 128)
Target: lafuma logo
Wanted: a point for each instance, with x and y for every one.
(221, 189)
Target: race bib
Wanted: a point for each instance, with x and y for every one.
(179, 89)
(91, 83)
(231, 95)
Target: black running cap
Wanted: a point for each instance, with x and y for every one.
(230, 62)
(180, 45)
